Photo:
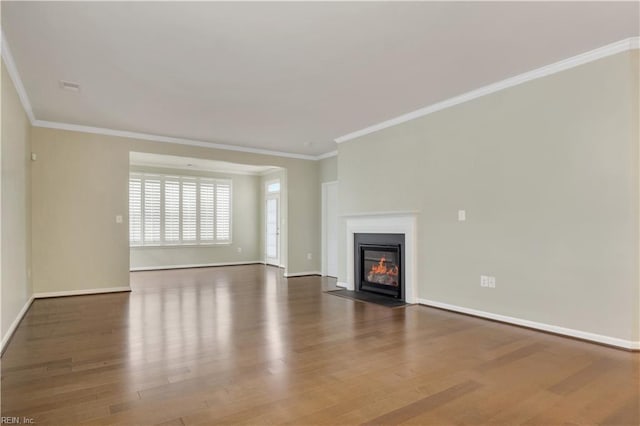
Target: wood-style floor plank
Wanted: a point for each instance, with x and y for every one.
(243, 345)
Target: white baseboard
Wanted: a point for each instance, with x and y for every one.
(343, 285)
(301, 274)
(14, 324)
(199, 265)
(81, 292)
(584, 335)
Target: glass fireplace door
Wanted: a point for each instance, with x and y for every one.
(380, 269)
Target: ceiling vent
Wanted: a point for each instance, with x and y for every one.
(67, 85)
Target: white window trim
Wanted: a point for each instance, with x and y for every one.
(269, 182)
(180, 244)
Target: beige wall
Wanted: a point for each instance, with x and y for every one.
(245, 228)
(16, 249)
(303, 225)
(328, 169)
(80, 184)
(547, 172)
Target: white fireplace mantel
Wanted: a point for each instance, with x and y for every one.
(387, 223)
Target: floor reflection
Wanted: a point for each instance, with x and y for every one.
(245, 345)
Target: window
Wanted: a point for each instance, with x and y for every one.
(178, 210)
(273, 186)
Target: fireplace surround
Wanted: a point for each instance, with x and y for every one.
(377, 223)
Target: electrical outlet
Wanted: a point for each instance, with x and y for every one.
(309, 256)
(462, 215)
(239, 249)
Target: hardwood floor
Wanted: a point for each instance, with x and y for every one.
(244, 345)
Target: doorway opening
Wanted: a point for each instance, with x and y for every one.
(273, 222)
(187, 212)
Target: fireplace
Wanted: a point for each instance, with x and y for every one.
(379, 264)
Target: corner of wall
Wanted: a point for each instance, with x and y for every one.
(15, 254)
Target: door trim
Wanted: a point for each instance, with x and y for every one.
(277, 196)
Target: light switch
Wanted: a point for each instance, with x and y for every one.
(119, 218)
(487, 281)
(484, 281)
(462, 215)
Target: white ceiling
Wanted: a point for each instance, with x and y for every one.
(283, 76)
(187, 163)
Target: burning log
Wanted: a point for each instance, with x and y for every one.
(381, 274)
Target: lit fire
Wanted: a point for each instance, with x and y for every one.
(381, 274)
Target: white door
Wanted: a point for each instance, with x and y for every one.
(272, 239)
(331, 229)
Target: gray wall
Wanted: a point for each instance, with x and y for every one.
(547, 172)
(245, 228)
(16, 210)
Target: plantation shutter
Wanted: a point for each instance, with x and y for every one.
(152, 212)
(135, 210)
(223, 211)
(178, 210)
(189, 210)
(207, 190)
(172, 210)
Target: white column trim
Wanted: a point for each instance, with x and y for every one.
(323, 227)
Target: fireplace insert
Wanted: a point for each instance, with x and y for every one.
(379, 264)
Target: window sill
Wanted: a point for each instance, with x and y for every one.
(163, 246)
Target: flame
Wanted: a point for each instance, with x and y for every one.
(381, 268)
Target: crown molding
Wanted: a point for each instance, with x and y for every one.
(26, 105)
(219, 170)
(327, 155)
(166, 139)
(574, 61)
(7, 57)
